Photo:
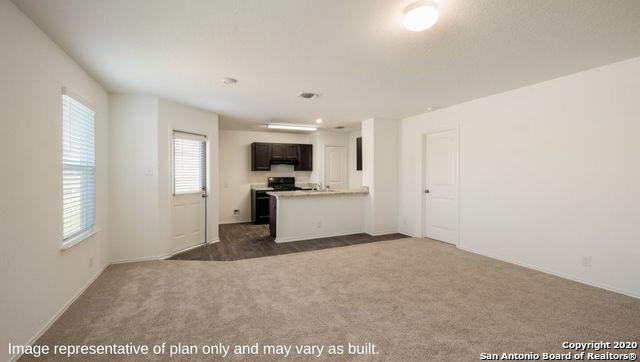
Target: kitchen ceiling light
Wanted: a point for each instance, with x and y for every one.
(319, 120)
(421, 15)
(292, 127)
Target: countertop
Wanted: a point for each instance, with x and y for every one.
(304, 193)
(264, 187)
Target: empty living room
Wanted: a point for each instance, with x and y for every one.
(353, 180)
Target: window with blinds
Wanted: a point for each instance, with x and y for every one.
(189, 154)
(78, 168)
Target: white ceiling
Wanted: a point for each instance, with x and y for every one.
(356, 52)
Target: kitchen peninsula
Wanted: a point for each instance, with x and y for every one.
(303, 215)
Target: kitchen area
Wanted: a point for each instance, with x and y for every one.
(288, 192)
(309, 210)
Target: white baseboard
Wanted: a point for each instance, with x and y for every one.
(234, 222)
(310, 237)
(561, 275)
(188, 248)
(60, 312)
(163, 256)
(134, 260)
(410, 234)
(384, 232)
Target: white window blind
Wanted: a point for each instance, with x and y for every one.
(188, 163)
(78, 168)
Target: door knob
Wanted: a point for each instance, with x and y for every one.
(426, 191)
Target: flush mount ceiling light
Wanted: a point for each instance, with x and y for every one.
(228, 80)
(421, 15)
(309, 95)
(319, 120)
(292, 127)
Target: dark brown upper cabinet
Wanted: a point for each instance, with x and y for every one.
(277, 152)
(291, 152)
(305, 159)
(359, 153)
(261, 156)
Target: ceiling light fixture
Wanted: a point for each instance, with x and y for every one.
(228, 80)
(421, 15)
(319, 120)
(309, 95)
(292, 127)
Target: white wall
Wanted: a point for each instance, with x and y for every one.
(548, 174)
(355, 176)
(133, 181)
(37, 279)
(236, 176)
(380, 173)
(140, 174)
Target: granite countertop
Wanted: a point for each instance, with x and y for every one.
(300, 193)
(264, 187)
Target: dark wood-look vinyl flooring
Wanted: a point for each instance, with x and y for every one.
(246, 241)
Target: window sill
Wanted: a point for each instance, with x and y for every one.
(66, 245)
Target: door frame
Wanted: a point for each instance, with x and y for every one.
(423, 176)
(207, 180)
(345, 167)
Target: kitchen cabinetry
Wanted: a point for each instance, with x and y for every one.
(273, 206)
(277, 152)
(260, 156)
(263, 155)
(259, 207)
(291, 152)
(305, 159)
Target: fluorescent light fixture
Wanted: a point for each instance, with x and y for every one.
(319, 120)
(292, 127)
(421, 15)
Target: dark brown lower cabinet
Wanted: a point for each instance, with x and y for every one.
(273, 205)
(259, 207)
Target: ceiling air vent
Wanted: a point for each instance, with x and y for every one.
(309, 95)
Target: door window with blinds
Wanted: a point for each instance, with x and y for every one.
(189, 154)
(78, 168)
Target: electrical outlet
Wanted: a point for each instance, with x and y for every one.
(586, 261)
(91, 262)
(236, 212)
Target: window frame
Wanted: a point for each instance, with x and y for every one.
(91, 230)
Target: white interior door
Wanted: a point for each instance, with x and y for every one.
(189, 190)
(441, 186)
(335, 167)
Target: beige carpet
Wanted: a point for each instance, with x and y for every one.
(415, 299)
